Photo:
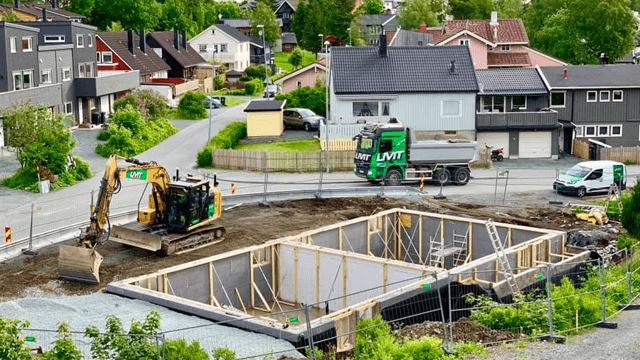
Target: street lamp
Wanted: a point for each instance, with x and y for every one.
(349, 30)
(264, 50)
(326, 101)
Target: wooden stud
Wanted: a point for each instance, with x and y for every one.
(165, 280)
(509, 240)
(470, 242)
(340, 238)
(264, 301)
(344, 281)
(214, 302)
(252, 298)
(317, 276)
(211, 284)
(295, 274)
(518, 260)
(442, 238)
(420, 239)
(368, 236)
(385, 276)
(386, 239)
(273, 272)
(244, 308)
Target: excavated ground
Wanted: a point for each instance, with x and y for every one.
(251, 225)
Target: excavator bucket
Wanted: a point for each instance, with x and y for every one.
(79, 264)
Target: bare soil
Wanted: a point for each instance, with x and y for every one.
(252, 225)
(463, 330)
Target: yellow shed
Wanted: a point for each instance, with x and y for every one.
(264, 118)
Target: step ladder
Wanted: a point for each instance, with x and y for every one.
(435, 249)
(501, 257)
(614, 195)
(460, 241)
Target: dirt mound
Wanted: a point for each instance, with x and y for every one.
(463, 330)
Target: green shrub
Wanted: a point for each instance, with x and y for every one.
(191, 106)
(528, 316)
(27, 178)
(24, 179)
(256, 72)
(148, 102)
(630, 217)
(245, 78)
(626, 241)
(103, 135)
(227, 138)
(64, 347)
(130, 119)
(312, 98)
(223, 354)
(181, 350)
(218, 82)
(12, 344)
(253, 87)
(122, 141)
(128, 99)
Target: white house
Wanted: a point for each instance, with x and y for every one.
(430, 89)
(223, 42)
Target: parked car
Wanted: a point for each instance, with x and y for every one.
(590, 177)
(302, 118)
(212, 101)
(273, 90)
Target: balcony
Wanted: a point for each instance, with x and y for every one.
(517, 120)
(107, 82)
(224, 57)
(41, 95)
(259, 59)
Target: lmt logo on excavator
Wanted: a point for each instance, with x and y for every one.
(137, 174)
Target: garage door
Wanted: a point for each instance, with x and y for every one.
(495, 140)
(534, 144)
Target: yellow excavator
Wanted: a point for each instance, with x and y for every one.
(179, 218)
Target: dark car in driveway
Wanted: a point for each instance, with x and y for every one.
(302, 118)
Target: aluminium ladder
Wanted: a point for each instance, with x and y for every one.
(615, 192)
(460, 242)
(438, 252)
(501, 257)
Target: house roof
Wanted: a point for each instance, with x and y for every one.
(380, 19)
(404, 37)
(58, 10)
(289, 38)
(361, 70)
(320, 64)
(593, 76)
(237, 23)
(186, 58)
(229, 30)
(4, 8)
(511, 82)
(509, 30)
(292, 3)
(508, 59)
(265, 105)
(147, 62)
(258, 41)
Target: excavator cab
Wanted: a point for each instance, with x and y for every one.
(190, 202)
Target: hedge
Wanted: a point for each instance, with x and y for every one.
(227, 138)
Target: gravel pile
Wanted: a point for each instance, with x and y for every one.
(82, 311)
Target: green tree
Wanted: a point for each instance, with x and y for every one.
(181, 350)
(315, 24)
(510, 9)
(312, 98)
(356, 37)
(417, 12)
(339, 19)
(82, 7)
(64, 347)
(132, 14)
(11, 342)
(471, 9)
(229, 9)
(115, 26)
(10, 16)
(295, 58)
(173, 16)
(264, 15)
(218, 81)
(299, 21)
(630, 217)
(373, 7)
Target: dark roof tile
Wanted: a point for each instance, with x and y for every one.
(508, 59)
(289, 38)
(411, 38)
(231, 31)
(147, 62)
(511, 82)
(265, 105)
(186, 58)
(593, 76)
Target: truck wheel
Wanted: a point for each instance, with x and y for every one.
(461, 176)
(442, 176)
(393, 178)
(582, 191)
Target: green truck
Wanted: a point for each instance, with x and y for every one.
(389, 152)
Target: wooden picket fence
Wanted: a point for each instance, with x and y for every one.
(621, 154)
(299, 161)
(340, 144)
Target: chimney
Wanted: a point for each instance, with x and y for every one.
(494, 18)
(54, 4)
(604, 59)
(452, 69)
(481, 87)
(495, 34)
(383, 45)
(184, 39)
(565, 73)
(175, 39)
(130, 44)
(143, 41)
(16, 4)
(44, 15)
(423, 28)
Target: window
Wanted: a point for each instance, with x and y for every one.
(213, 31)
(223, 48)
(66, 74)
(54, 38)
(298, 84)
(603, 130)
(590, 130)
(595, 175)
(506, 48)
(90, 40)
(80, 41)
(88, 71)
(519, 102)
(463, 42)
(450, 108)
(385, 109)
(420, 43)
(492, 104)
(616, 130)
(386, 145)
(13, 44)
(579, 131)
(68, 108)
(450, 132)
(365, 109)
(22, 80)
(202, 47)
(45, 76)
(81, 70)
(617, 95)
(592, 96)
(107, 57)
(98, 57)
(215, 48)
(27, 44)
(558, 98)
(604, 96)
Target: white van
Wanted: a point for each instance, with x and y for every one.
(592, 177)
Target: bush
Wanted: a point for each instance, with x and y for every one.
(218, 82)
(181, 350)
(630, 217)
(130, 119)
(128, 99)
(245, 78)
(626, 241)
(103, 135)
(191, 106)
(11, 339)
(148, 102)
(253, 87)
(227, 138)
(256, 71)
(27, 178)
(122, 141)
(312, 98)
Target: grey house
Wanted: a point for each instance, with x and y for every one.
(372, 26)
(512, 112)
(602, 102)
(429, 89)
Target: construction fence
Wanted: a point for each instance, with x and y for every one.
(458, 307)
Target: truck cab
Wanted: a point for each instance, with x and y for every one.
(381, 152)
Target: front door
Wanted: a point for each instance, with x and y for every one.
(568, 140)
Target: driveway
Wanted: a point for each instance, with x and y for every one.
(562, 164)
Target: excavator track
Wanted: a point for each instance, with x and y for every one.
(196, 239)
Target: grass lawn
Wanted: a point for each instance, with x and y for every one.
(234, 101)
(282, 146)
(282, 60)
